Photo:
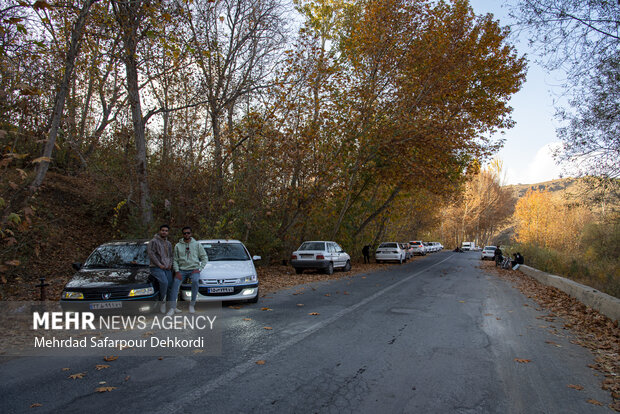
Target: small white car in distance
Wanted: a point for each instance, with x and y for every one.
(488, 253)
(418, 247)
(390, 251)
(229, 275)
(322, 255)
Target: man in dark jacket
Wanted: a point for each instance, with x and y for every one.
(498, 256)
(366, 253)
(160, 257)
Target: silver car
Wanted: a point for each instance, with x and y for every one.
(322, 255)
(390, 251)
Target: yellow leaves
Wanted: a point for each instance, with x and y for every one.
(300, 305)
(110, 358)
(594, 402)
(99, 367)
(260, 362)
(79, 375)
(41, 159)
(105, 389)
(575, 387)
(267, 328)
(266, 309)
(314, 313)
(523, 361)
(34, 405)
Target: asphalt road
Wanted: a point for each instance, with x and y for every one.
(437, 335)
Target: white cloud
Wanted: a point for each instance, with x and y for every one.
(541, 168)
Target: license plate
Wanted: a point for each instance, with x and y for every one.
(106, 305)
(306, 256)
(221, 290)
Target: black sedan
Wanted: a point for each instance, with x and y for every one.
(115, 277)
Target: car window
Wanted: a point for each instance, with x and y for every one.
(388, 245)
(330, 248)
(118, 255)
(338, 248)
(225, 252)
(312, 246)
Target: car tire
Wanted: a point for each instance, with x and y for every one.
(347, 266)
(378, 261)
(299, 270)
(330, 269)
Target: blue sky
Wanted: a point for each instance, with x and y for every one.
(526, 154)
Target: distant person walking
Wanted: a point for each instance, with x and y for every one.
(189, 259)
(366, 253)
(159, 250)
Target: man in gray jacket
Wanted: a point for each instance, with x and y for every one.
(160, 257)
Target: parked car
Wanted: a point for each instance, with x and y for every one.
(322, 255)
(115, 277)
(427, 247)
(229, 275)
(409, 249)
(418, 247)
(488, 253)
(390, 251)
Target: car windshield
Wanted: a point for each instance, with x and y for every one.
(389, 245)
(490, 248)
(118, 255)
(312, 246)
(221, 252)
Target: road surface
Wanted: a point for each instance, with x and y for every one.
(437, 335)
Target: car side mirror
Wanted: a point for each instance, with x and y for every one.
(76, 265)
(256, 258)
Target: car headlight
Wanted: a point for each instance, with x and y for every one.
(142, 291)
(72, 295)
(252, 278)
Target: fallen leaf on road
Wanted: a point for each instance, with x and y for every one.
(298, 293)
(110, 358)
(345, 293)
(327, 294)
(66, 369)
(101, 366)
(269, 328)
(197, 351)
(79, 375)
(266, 309)
(247, 319)
(261, 362)
(300, 304)
(575, 387)
(127, 378)
(33, 405)
(161, 358)
(553, 343)
(594, 402)
(235, 307)
(523, 361)
(149, 333)
(102, 382)
(462, 301)
(314, 313)
(105, 389)
(488, 314)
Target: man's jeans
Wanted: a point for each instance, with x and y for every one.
(176, 284)
(164, 277)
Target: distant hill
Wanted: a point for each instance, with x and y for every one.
(563, 185)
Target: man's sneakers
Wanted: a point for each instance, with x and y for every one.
(191, 308)
(170, 312)
(177, 310)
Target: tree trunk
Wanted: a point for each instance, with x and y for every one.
(61, 94)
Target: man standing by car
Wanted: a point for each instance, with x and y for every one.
(189, 259)
(366, 253)
(160, 257)
(497, 256)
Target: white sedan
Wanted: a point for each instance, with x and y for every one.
(390, 251)
(488, 253)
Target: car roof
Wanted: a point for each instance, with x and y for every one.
(490, 247)
(125, 242)
(219, 241)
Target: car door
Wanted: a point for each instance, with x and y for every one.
(342, 256)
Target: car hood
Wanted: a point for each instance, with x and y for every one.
(227, 269)
(88, 278)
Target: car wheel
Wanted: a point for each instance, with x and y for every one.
(378, 261)
(347, 266)
(330, 269)
(299, 270)
(400, 261)
(255, 299)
